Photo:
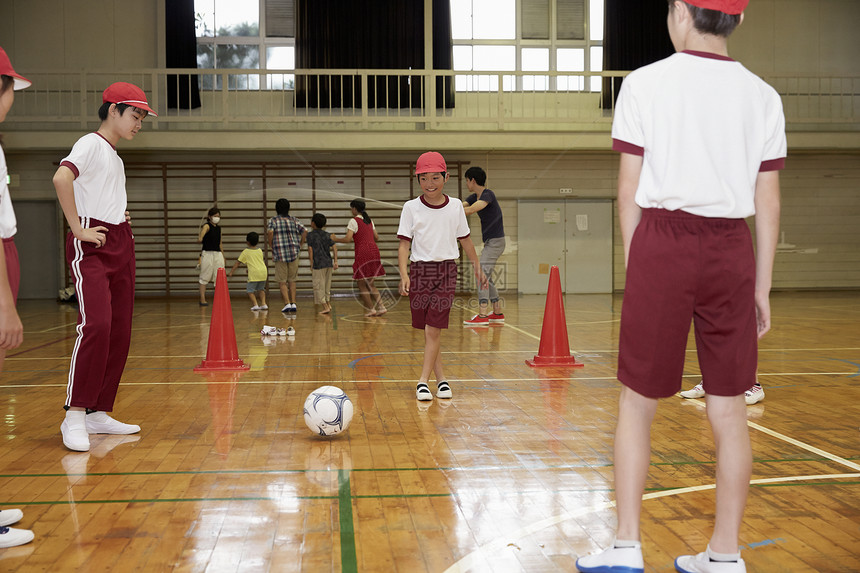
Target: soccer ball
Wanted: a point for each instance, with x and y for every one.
(328, 411)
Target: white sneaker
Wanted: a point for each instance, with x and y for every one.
(290, 331)
(701, 563)
(264, 307)
(286, 308)
(281, 331)
(268, 330)
(443, 390)
(613, 560)
(697, 391)
(10, 516)
(101, 423)
(255, 307)
(754, 395)
(13, 537)
(422, 392)
(75, 435)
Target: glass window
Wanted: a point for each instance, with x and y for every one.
(595, 20)
(494, 58)
(463, 58)
(596, 65)
(511, 35)
(229, 35)
(494, 19)
(461, 19)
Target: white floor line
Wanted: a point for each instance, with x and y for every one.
(477, 559)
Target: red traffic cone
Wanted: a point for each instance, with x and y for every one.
(554, 349)
(222, 353)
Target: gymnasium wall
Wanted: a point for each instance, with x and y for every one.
(820, 247)
(821, 187)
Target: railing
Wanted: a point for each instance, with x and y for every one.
(323, 100)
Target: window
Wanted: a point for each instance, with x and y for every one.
(527, 36)
(248, 35)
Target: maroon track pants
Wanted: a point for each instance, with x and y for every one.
(104, 284)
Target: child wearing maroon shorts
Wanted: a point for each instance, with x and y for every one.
(90, 185)
(430, 227)
(701, 141)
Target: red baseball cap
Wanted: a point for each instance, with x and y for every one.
(6, 69)
(430, 162)
(129, 94)
(725, 6)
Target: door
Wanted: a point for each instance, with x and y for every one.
(39, 249)
(575, 236)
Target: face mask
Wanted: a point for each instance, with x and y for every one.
(216, 220)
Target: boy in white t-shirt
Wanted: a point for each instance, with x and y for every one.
(90, 184)
(701, 141)
(430, 227)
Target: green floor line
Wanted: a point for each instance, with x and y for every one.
(348, 561)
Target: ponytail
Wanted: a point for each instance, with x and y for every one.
(360, 206)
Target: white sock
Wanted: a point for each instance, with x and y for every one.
(75, 416)
(725, 557)
(625, 543)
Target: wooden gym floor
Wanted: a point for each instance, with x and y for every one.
(513, 474)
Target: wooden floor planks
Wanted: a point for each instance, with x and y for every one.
(513, 474)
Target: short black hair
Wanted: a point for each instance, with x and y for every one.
(477, 174)
(282, 206)
(253, 238)
(121, 107)
(711, 22)
(213, 211)
(319, 220)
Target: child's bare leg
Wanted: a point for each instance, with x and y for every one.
(432, 344)
(262, 294)
(632, 458)
(728, 418)
(437, 365)
(377, 298)
(253, 299)
(203, 293)
(364, 293)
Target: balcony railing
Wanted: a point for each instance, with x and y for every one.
(323, 100)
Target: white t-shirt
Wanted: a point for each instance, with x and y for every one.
(433, 230)
(99, 179)
(353, 225)
(705, 126)
(8, 223)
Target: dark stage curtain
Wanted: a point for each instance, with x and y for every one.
(374, 34)
(634, 35)
(183, 90)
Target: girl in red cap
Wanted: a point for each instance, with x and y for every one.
(11, 329)
(701, 141)
(430, 227)
(90, 184)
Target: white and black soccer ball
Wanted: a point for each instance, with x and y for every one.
(328, 411)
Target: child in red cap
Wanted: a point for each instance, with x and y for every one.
(701, 141)
(430, 227)
(90, 186)
(11, 329)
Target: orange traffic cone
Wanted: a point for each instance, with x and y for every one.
(554, 349)
(222, 353)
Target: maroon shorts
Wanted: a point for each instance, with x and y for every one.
(683, 267)
(13, 267)
(431, 292)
